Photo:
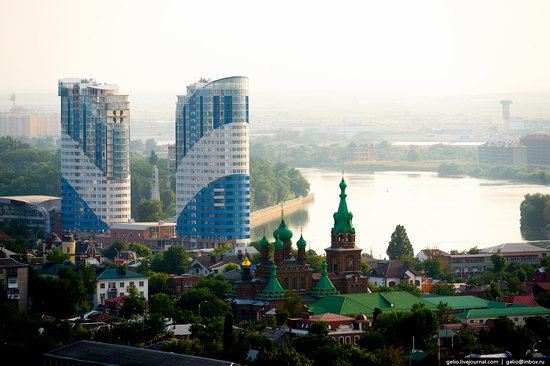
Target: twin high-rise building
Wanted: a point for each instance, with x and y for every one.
(95, 157)
(212, 160)
(211, 153)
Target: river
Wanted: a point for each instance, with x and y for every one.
(444, 213)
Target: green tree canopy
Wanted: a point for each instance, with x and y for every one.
(133, 304)
(149, 210)
(400, 247)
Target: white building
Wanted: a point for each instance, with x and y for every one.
(113, 283)
(392, 273)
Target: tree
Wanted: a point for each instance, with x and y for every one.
(499, 263)
(113, 250)
(57, 256)
(158, 283)
(400, 247)
(282, 356)
(314, 260)
(281, 317)
(149, 210)
(433, 266)
(215, 283)
(141, 250)
(293, 305)
(443, 289)
(133, 304)
(175, 260)
(153, 158)
(534, 216)
(319, 328)
(211, 306)
(45, 293)
(163, 304)
(365, 267)
(413, 155)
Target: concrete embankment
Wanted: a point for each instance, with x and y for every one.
(269, 213)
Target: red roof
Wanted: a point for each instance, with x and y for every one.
(4, 236)
(114, 299)
(543, 285)
(521, 299)
(330, 317)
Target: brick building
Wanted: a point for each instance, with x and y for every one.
(282, 273)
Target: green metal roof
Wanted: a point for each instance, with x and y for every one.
(324, 286)
(264, 243)
(117, 274)
(283, 232)
(459, 302)
(273, 290)
(343, 218)
(508, 311)
(301, 243)
(278, 243)
(364, 303)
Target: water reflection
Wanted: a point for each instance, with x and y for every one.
(438, 212)
(297, 219)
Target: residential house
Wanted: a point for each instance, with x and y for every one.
(14, 282)
(343, 329)
(207, 264)
(392, 273)
(182, 283)
(112, 283)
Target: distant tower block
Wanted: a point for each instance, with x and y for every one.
(155, 195)
(505, 109)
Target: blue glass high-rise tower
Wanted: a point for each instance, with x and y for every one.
(212, 159)
(95, 160)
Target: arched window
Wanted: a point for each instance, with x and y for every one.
(334, 265)
(350, 264)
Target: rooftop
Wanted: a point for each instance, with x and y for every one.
(10, 262)
(512, 248)
(33, 199)
(364, 303)
(459, 302)
(115, 274)
(506, 311)
(113, 354)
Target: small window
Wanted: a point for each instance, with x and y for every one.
(121, 294)
(141, 283)
(132, 283)
(101, 285)
(121, 284)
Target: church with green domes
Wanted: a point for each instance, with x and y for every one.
(280, 272)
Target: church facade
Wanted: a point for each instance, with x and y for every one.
(281, 272)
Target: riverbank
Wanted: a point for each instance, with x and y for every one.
(519, 174)
(269, 213)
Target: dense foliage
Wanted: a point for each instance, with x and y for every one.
(272, 184)
(535, 216)
(25, 170)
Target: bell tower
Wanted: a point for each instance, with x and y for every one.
(343, 257)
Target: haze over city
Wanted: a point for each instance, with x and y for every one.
(318, 59)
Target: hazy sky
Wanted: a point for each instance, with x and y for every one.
(378, 46)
